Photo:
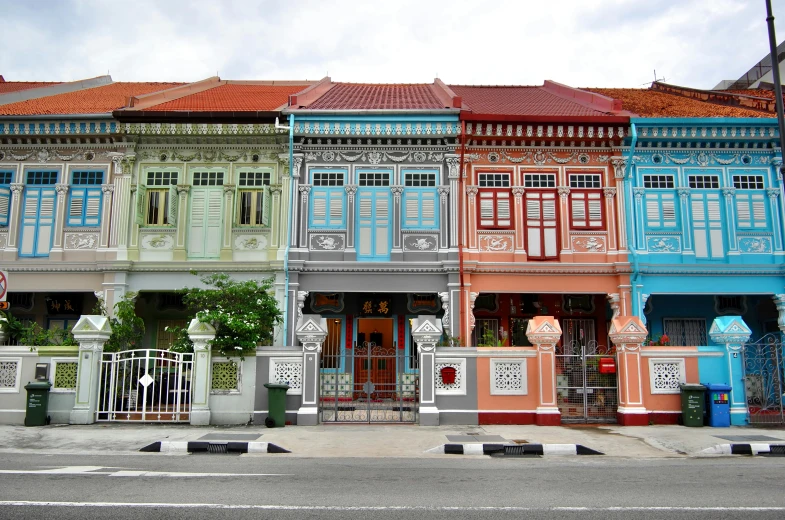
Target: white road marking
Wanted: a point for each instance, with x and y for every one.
(92, 470)
(381, 508)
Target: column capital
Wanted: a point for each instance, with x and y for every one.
(683, 193)
(61, 189)
(183, 189)
(17, 187)
(609, 192)
(564, 191)
(472, 191)
(619, 166)
(544, 332)
(518, 191)
(107, 188)
(627, 332)
(311, 332)
(729, 330)
(229, 189)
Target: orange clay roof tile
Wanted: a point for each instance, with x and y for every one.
(232, 97)
(520, 101)
(650, 103)
(360, 96)
(98, 100)
(16, 86)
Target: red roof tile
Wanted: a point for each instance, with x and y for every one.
(98, 100)
(357, 96)
(532, 101)
(233, 97)
(651, 103)
(16, 86)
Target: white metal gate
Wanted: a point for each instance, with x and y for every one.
(145, 386)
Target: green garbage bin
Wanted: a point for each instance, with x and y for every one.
(693, 404)
(276, 404)
(37, 403)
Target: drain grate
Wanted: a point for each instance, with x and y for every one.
(777, 449)
(522, 450)
(217, 448)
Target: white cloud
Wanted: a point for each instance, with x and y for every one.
(578, 42)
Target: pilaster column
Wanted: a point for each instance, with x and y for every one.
(311, 333)
(123, 205)
(278, 220)
(611, 218)
(638, 240)
(564, 223)
(445, 224)
(628, 334)
(732, 332)
(106, 215)
(56, 253)
(619, 164)
(453, 172)
(228, 222)
(179, 253)
(730, 210)
(518, 216)
(301, 296)
(778, 209)
(426, 331)
(544, 332)
(397, 191)
(446, 319)
(686, 221)
(471, 217)
(305, 190)
(13, 220)
(351, 191)
(614, 302)
(201, 335)
(92, 332)
(774, 194)
(779, 301)
(472, 320)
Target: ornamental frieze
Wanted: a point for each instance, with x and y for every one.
(81, 240)
(207, 156)
(375, 129)
(537, 157)
(199, 129)
(373, 157)
(703, 158)
(46, 155)
(545, 131)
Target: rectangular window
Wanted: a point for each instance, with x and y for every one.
(748, 182)
(416, 179)
(586, 201)
(685, 332)
(157, 206)
(84, 198)
(5, 195)
(374, 178)
(253, 206)
(38, 178)
(327, 200)
(658, 182)
(495, 209)
(704, 182)
(542, 240)
(208, 178)
(493, 180)
(539, 180)
(256, 179)
(420, 200)
(581, 180)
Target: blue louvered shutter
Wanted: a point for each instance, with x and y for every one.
(5, 204)
(420, 209)
(84, 207)
(319, 198)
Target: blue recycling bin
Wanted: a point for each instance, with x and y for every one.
(718, 404)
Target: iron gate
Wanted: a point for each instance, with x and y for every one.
(369, 384)
(584, 393)
(145, 386)
(764, 377)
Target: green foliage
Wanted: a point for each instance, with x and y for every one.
(34, 335)
(450, 341)
(181, 342)
(127, 327)
(488, 339)
(243, 313)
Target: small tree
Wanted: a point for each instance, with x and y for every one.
(243, 313)
(127, 327)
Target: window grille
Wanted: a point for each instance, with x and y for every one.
(704, 182)
(685, 332)
(161, 178)
(39, 178)
(419, 179)
(539, 180)
(748, 182)
(328, 178)
(493, 180)
(658, 182)
(90, 178)
(254, 179)
(208, 178)
(6, 177)
(585, 180)
(374, 179)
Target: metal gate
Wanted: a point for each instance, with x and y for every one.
(369, 384)
(145, 386)
(764, 376)
(584, 393)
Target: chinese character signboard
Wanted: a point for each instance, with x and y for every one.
(64, 304)
(376, 306)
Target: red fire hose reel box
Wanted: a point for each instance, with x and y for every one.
(607, 365)
(448, 375)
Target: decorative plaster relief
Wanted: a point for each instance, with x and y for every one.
(508, 377)
(157, 241)
(81, 240)
(592, 244)
(456, 388)
(250, 242)
(420, 242)
(663, 244)
(496, 243)
(287, 371)
(328, 242)
(666, 375)
(755, 244)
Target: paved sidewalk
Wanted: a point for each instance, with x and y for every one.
(384, 440)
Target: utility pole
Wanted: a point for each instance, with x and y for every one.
(775, 70)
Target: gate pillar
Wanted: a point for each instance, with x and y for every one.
(311, 333)
(426, 331)
(732, 332)
(544, 332)
(92, 332)
(201, 334)
(628, 334)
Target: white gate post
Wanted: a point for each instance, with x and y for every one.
(426, 331)
(311, 333)
(92, 332)
(201, 334)
(732, 332)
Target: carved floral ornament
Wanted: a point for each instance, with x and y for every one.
(536, 157)
(375, 156)
(703, 158)
(46, 155)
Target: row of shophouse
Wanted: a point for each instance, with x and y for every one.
(546, 228)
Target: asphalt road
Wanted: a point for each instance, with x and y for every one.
(280, 487)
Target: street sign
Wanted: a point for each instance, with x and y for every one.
(3, 285)
(4, 306)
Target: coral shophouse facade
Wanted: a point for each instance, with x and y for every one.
(442, 254)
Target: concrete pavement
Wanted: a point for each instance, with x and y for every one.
(352, 440)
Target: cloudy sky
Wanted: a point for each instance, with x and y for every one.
(600, 43)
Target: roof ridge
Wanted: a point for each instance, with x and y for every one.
(143, 101)
(717, 97)
(53, 90)
(584, 98)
